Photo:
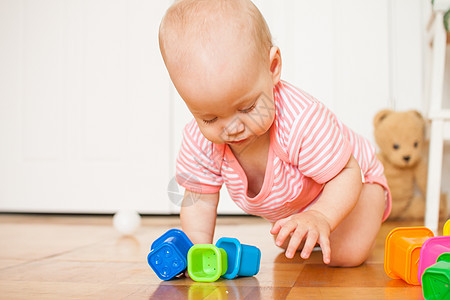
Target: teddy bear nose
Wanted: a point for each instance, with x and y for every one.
(406, 158)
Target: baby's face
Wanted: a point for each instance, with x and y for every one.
(230, 96)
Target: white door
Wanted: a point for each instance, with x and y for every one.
(84, 107)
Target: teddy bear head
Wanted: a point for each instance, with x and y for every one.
(400, 136)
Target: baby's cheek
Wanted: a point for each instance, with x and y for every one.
(208, 132)
(260, 123)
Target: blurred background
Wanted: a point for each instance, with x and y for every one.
(89, 120)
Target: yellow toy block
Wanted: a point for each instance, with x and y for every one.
(447, 227)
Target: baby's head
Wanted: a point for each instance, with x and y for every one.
(220, 57)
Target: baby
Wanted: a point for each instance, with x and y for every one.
(281, 153)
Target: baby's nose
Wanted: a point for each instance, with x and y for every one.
(406, 158)
(234, 128)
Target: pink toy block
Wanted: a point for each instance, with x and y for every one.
(431, 249)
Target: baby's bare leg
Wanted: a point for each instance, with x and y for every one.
(353, 240)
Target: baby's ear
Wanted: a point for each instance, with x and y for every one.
(275, 64)
(381, 115)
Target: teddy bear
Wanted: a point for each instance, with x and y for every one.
(400, 137)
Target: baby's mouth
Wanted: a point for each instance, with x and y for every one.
(237, 141)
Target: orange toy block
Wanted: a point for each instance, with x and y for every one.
(402, 252)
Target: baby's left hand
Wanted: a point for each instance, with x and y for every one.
(310, 225)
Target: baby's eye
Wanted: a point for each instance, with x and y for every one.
(396, 146)
(210, 121)
(416, 144)
(247, 110)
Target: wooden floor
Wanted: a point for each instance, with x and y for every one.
(79, 257)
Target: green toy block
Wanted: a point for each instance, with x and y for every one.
(206, 262)
(436, 279)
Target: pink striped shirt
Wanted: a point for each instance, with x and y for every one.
(308, 147)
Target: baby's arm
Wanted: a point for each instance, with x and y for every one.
(198, 216)
(338, 198)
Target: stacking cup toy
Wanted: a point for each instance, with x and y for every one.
(431, 249)
(243, 260)
(436, 279)
(168, 255)
(402, 252)
(206, 262)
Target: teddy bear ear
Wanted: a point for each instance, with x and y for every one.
(381, 115)
(417, 114)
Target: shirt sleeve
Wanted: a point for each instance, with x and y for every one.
(317, 144)
(199, 162)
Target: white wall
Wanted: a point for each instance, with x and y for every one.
(89, 121)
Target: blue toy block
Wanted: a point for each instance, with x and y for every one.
(243, 260)
(168, 254)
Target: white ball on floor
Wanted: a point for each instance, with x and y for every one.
(126, 221)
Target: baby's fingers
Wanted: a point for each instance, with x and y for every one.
(324, 242)
(309, 244)
(284, 232)
(296, 238)
(278, 225)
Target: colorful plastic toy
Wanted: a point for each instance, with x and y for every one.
(447, 227)
(431, 249)
(243, 260)
(436, 279)
(206, 262)
(168, 255)
(402, 252)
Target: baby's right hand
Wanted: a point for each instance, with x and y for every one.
(309, 226)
